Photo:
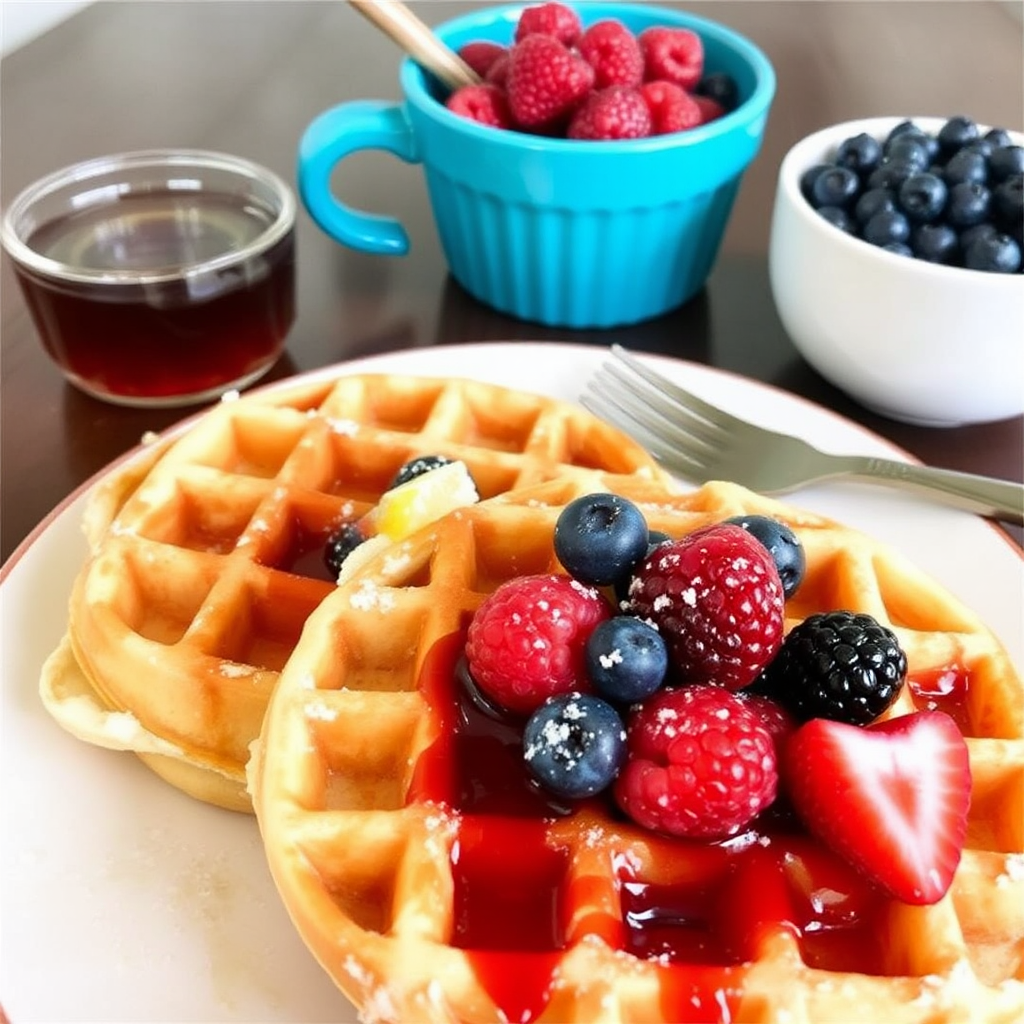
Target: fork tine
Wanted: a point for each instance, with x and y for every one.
(689, 401)
(675, 418)
(670, 444)
(673, 458)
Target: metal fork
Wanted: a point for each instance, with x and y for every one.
(698, 441)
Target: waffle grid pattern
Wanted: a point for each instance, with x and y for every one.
(432, 886)
(204, 572)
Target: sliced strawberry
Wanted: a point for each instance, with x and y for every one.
(891, 798)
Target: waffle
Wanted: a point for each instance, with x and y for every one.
(433, 884)
(206, 551)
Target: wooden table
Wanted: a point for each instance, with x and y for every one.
(247, 77)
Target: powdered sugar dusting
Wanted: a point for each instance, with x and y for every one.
(347, 428)
(369, 597)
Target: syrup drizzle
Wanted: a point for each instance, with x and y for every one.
(513, 887)
(943, 689)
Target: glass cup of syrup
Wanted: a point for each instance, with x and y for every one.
(160, 277)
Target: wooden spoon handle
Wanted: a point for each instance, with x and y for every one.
(418, 40)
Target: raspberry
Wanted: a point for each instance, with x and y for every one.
(841, 665)
(551, 19)
(672, 108)
(613, 52)
(527, 640)
(545, 81)
(481, 54)
(699, 764)
(497, 73)
(618, 112)
(772, 715)
(485, 104)
(673, 54)
(717, 599)
(710, 110)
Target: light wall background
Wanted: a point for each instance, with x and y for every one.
(23, 20)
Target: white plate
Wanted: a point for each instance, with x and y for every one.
(123, 900)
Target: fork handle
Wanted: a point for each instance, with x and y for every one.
(985, 495)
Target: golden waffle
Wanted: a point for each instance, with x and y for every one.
(433, 884)
(206, 553)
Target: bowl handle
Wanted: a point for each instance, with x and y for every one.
(329, 138)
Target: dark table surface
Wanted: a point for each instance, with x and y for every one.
(246, 77)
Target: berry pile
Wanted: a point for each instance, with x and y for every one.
(559, 78)
(423, 489)
(655, 671)
(955, 197)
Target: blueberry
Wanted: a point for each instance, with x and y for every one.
(995, 252)
(874, 200)
(910, 149)
(998, 137)
(783, 545)
(836, 186)
(900, 129)
(899, 249)
(983, 146)
(922, 197)
(966, 165)
(600, 537)
(1006, 161)
(808, 178)
(340, 544)
(839, 218)
(968, 235)
(626, 659)
(1008, 201)
(909, 130)
(887, 227)
(969, 204)
(891, 174)
(655, 538)
(417, 467)
(956, 133)
(574, 745)
(720, 87)
(936, 243)
(860, 153)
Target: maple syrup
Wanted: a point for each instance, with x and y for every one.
(190, 336)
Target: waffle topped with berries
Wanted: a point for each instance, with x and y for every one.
(207, 554)
(484, 797)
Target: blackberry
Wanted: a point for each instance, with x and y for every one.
(841, 665)
(417, 467)
(340, 544)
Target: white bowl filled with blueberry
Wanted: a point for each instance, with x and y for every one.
(897, 264)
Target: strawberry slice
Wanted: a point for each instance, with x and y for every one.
(891, 798)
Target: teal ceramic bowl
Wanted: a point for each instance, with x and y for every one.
(555, 231)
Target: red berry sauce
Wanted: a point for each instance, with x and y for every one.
(699, 912)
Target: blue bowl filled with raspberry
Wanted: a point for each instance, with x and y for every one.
(896, 264)
(587, 179)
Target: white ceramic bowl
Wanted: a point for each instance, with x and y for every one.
(912, 340)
